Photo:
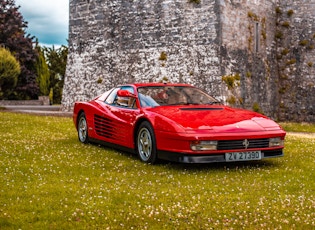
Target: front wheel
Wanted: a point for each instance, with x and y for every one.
(83, 129)
(146, 147)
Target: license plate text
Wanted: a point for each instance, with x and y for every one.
(243, 156)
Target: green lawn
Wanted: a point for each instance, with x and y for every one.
(301, 127)
(48, 180)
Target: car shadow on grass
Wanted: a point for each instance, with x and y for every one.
(216, 166)
(224, 166)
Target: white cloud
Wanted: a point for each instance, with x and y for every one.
(47, 20)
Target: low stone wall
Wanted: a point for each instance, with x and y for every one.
(42, 100)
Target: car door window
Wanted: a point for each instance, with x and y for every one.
(112, 96)
(126, 102)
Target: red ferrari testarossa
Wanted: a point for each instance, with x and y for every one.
(176, 122)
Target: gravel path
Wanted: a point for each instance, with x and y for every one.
(38, 110)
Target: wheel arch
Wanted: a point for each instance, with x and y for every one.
(77, 118)
(135, 131)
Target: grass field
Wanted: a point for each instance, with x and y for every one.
(48, 180)
(302, 127)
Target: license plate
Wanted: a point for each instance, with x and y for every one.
(243, 156)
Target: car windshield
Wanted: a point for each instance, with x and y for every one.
(153, 96)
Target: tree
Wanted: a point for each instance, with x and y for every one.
(57, 61)
(9, 71)
(43, 75)
(13, 37)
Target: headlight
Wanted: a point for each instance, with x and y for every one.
(203, 145)
(276, 142)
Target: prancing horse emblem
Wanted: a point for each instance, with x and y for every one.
(246, 143)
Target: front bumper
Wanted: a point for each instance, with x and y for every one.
(213, 158)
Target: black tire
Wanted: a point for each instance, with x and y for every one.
(145, 143)
(83, 129)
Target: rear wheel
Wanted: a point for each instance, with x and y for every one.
(83, 129)
(146, 146)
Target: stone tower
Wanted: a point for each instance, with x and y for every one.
(248, 53)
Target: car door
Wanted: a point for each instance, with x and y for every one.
(116, 126)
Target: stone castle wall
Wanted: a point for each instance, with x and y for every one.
(119, 41)
(296, 60)
(248, 30)
(115, 42)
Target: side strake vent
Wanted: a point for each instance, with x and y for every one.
(103, 126)
(108, 128)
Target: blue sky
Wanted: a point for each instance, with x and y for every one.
(47, 20)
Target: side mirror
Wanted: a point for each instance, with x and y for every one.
(125, 93)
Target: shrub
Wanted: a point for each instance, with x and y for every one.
(279, 35)
(99, 80)
(286, 24)
(264, 34)
(163, 56)
(253, 16)
(291, 61)
(256, 108)
(278, 10)
(231, 80)
(303, 42)
(164, 80)
(285, 51)
(231, 100)
(290, 13)
(195, 1)
(9, 72)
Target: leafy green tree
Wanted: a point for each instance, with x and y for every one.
(9, 71)
(43, 75)
(57, 61)
(13, 37)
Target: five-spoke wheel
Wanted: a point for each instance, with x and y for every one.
(83, 129)
(146, 146)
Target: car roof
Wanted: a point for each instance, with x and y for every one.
(137, 85)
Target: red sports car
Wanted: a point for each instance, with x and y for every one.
(176, 122)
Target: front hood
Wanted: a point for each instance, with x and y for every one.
(216, 118)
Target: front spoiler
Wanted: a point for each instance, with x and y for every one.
(189, 158)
